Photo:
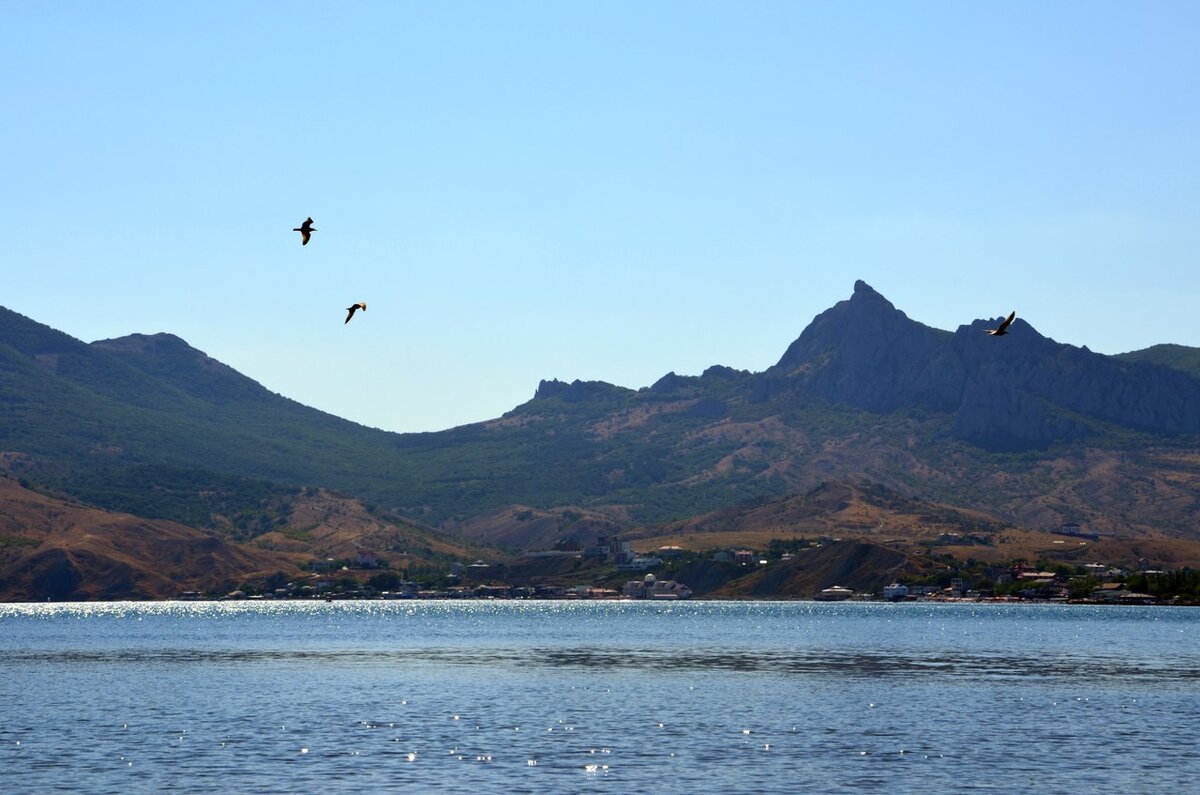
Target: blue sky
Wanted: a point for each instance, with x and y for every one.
(589, 190)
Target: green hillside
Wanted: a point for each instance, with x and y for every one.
(1178, 357)
(1022, 427)
(103, 421)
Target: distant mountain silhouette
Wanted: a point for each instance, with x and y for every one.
(1020, 426)
(1005, 394)
(103, 416)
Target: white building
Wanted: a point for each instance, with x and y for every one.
(639, 563)
(651, 587)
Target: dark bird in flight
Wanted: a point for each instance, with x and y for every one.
(1000, 330)
(350, 310)
(305, 229)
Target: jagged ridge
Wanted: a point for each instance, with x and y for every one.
(863, 393)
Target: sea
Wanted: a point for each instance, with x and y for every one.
(589, 696)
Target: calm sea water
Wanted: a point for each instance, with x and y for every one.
(559, 697)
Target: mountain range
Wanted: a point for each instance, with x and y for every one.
(1027, 431)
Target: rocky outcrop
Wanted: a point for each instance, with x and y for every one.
(577, 391)
(865, 352)
(1010, 392)
(1018, 391)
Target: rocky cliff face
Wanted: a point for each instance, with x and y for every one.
(1009, 392)
(1014, 392)
(869, 354)
(577, 391)
(1025, 389)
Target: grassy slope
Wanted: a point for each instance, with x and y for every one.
(158, 428)
(1179, 357)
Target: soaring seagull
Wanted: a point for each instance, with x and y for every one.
(350, 310)
(305, 229)
(1000, 330)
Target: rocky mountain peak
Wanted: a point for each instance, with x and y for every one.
(863, 351)
(1011, 392)
(864, 292)
(866, 321)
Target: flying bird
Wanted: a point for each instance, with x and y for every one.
(305, 229)
(350, 310)
(1002, 329)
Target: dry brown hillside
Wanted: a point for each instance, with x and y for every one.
(861, 565)
(519, 527)
(322, 524)
(869, 512)
(830, 509)
(52, 548)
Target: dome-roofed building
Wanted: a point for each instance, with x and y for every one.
(650, 587)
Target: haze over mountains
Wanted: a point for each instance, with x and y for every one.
(1022, 428)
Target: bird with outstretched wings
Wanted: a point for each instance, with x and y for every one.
(305, 229)
(1002, 329)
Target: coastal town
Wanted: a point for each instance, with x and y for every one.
(611, 569)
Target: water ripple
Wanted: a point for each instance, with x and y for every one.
(776, 661)
(757, 698)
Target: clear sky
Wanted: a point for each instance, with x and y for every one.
(594, 190)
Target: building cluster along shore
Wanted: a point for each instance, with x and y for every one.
(369, 577)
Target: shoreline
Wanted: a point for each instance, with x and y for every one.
(622, 599)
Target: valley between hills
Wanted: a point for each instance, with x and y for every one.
(142, 468)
